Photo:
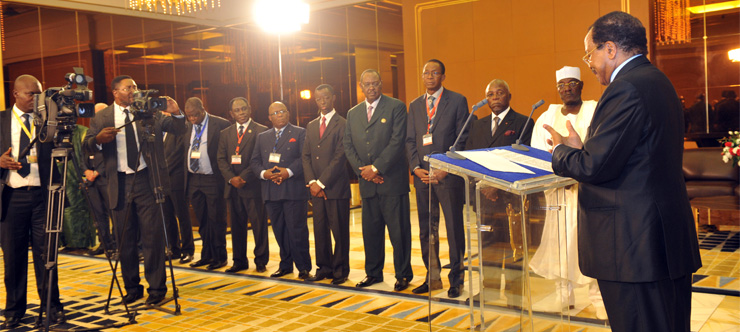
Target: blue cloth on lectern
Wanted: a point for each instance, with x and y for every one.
(506, 176)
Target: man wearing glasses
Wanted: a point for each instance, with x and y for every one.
(636, 233)
(552, 249)
(129, 175)
(374, 146)
(242, 186)
(435, 119)
(276, 160)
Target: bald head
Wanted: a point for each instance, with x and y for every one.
(278, 114)
(99, 107)
(24, 87)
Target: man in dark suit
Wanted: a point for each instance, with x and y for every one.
(130, 190)
(276, 160)
(325, 170)
(176, 211)
(203, 182)
(374, 146)
(636, 234)
(503, 126)
(434, 122)
(23, 184)
(242, 186)
(95, 185)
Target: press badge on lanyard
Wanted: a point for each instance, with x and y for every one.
(274, 158)
(236, 158)
(427, 139)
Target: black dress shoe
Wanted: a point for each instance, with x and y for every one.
(455, 291)
(320, 275)
(154, 299)
(305, 275)
(236, 268)
(261, 268)
(10, 323)
(131, 297)
(368, 281)
(279, 273)
(176, 255)
(97, 251)
(401, 284)
(216, 265)
(424, 288)
(199, 263)
(338, 281)
(58, 317)
(186, 258)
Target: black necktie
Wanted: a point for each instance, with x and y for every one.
(25, 167)
(132, 151)
(241, 130)
(194, 162)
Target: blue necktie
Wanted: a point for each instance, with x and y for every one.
(194, 162)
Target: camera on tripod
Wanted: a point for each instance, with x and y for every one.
(145, 107)
(57, 109)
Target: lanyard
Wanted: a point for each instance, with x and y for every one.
(431, 112)
(31, 133)
(239, 138)
(202, 129)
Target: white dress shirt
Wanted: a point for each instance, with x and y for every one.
(119, 118)
(14, 179)
(205, 162)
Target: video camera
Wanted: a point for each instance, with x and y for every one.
(144, 106)
(57, 110)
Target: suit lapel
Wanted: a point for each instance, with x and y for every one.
(284, 137)
(6, 139)
(376, 112)
(329, 127)
(439, 112)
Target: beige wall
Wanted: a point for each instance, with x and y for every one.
(521, 41)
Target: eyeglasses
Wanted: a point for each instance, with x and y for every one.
(371, 84)
(587, 57)
(571, 84)
(278, 112)
(242, 109)
(432, 74)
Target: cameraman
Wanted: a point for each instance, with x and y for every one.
(120, 150)
(23, 206)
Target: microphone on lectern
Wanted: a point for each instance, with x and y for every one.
(518, 144)
(452, 154)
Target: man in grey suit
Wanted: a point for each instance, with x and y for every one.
(203, 182)
(242, 189)
(435, 120)
(374, 146)
(276, 160)
(130, 185)
(325, 171)
(636, 232)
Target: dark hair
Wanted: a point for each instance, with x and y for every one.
(118, 79)
(231, 102)
(623, 29)
(441, 65)
(195, 102)
(326, 87)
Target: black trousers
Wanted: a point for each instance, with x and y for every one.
(291, 232)
(331, 217)
(97, 196)
(660, 306)
(206, 197)
(145, 222)
(379, 212)
(246, 210)
(25, 220)
(179, 225)
(452, 199)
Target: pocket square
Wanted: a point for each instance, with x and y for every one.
(292, 140)
(509, 133)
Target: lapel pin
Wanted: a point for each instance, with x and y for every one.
(382, 120)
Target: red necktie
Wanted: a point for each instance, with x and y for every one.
(323, 127)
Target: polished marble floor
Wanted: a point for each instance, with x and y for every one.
(251, 301)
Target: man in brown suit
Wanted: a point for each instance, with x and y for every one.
(325, 171)
(242, 190)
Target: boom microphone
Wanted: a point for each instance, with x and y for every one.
(452, 154)
(518, 144)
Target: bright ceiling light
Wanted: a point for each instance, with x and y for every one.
(715, 7)
(734, 55)
(281, 16)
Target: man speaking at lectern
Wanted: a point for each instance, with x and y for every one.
(636, 233)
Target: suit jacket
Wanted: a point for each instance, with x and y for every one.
(289, 147)
(448, 121)
(175, 151)
(44, 157)
(379, 142)
(509, 129)
(227, 147)
(324, 159)
(634, 219)
(162, 123)
(215, 125)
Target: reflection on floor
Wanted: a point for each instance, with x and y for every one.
(251, 301)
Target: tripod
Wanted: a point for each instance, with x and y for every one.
(148, 125)
(54, 223)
